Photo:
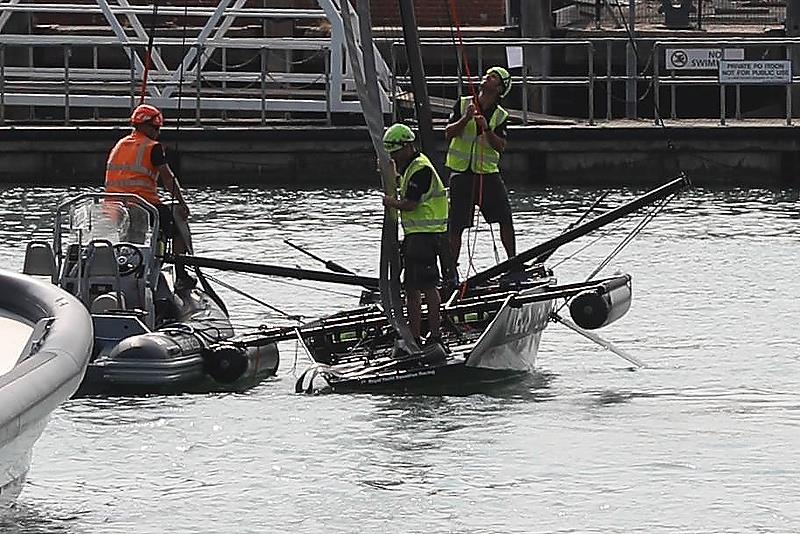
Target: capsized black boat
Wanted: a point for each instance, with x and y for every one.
(149, 336)
(491, 328)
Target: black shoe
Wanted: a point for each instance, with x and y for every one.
(431, 340)
(185, 282)
(434, 352)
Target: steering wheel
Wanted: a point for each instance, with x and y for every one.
(129, 258)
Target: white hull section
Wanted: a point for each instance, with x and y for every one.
(39, 375)
(511, 341)
(15, 460)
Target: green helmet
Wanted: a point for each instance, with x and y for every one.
(397, 136)
(505, 78)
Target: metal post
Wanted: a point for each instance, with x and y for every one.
(31, 108)
(722, 104)
(656, 87)
(673, 99)
(738, 102)
(199, 83)
(788, 55)
(597, 7)
(630, 65)
(67, 52)
(543, 56)
(327, 58)
(95, 63)
(524, 88)
(609, 85)
(2, 84)
(590, 48)
(133, 74)
(393, 52)
(480, 62)
(699, 14)
(263, 87)
(224, 52)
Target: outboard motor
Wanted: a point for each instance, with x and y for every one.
(603, 304)
(226, 363)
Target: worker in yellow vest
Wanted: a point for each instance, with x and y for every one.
(134, 166)
(423, 210)
(476, 132)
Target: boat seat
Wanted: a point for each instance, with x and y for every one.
(101, 273)
(39, 259)
(107, 302)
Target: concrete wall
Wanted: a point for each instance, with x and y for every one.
(318, 157)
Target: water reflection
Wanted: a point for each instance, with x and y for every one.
(29, 518)
(581, 445)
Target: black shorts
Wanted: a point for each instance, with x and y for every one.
(166, 220)
(421, 252)
(465, 194)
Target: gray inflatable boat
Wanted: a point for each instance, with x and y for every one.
(151, 336)
(47, 342)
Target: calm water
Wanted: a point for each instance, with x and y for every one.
(703, 440)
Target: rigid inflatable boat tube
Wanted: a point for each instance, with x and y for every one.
(56, 366)
(602, 305)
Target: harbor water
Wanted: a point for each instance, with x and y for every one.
(703, 440)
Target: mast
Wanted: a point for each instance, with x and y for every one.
(389, 273)
(421, 101)
(579, 231)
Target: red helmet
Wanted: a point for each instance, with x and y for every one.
(145, 113)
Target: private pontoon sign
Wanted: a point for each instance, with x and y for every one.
(699, 58)
(755, 72)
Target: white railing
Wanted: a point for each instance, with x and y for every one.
(208, 69)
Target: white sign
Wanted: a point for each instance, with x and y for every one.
(514, 56)
(699, 58)
(756, 72)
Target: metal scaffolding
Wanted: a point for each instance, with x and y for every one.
(225, 62)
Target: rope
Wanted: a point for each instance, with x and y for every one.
(149, 52)
(251, 297)
(472, 232)
(323, 289)
(648, 217)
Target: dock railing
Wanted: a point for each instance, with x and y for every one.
(673, 54)
(594, 65)
(218, 72)
(214, 68)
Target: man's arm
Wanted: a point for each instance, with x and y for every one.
(158, 157)
(418, 185)
(496, 141)
(172, 186)
(456, 127)
(402, 204)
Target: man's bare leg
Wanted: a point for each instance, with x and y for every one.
(434, 316)
(414, 305)
(508, 239)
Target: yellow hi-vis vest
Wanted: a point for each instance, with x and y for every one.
(430, 215)
(471, 151)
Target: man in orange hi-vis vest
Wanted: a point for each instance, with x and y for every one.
(134, 166)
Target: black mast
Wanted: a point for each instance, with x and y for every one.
(579, 231)
(421, 101)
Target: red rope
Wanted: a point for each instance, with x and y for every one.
(148, 53)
